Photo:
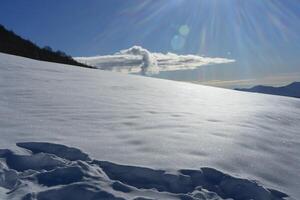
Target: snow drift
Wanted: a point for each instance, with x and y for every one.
(171, 130)
(137, 59)
(93, 179)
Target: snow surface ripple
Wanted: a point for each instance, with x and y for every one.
(154, 123)
(46, 174)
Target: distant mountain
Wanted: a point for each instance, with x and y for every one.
(291, 90)
(11, 43)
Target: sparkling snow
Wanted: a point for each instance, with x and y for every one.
(159, 124)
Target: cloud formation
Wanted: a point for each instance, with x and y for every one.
(139, 60)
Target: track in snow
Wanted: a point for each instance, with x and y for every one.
(154, 123)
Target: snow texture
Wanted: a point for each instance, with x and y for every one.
(93, 179)
(58, 149)
(159, 126)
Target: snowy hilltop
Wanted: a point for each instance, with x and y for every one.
(93, 134)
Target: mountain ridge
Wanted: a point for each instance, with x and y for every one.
(290, 90)
(13, 44)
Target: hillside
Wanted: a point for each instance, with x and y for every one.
(291, 90)
(13, 44)
(140, 138)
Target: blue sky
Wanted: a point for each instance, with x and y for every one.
(263, 36)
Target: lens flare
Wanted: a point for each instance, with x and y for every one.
(184, 30)
(262, 36)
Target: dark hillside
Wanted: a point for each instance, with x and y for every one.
(291, 90)
(11, 43)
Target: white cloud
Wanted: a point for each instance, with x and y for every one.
(137, 59)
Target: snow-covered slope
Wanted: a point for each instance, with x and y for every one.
(158, 124)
